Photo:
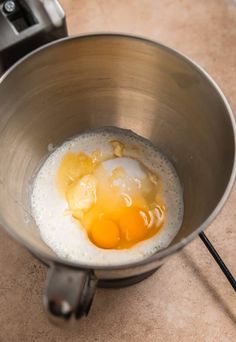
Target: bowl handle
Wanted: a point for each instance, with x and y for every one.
(69, 292)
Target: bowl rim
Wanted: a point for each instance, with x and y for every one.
(51, 259)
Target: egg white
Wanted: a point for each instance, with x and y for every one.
(65, 236)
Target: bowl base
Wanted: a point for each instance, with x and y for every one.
(123, 282)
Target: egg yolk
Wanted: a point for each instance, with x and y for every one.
(105, 234)
(112, 218)
(133, 224)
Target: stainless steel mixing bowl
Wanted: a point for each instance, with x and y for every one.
(111, 80)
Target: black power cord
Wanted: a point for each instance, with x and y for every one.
(218, 259)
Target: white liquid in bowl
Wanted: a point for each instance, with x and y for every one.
(66, 236)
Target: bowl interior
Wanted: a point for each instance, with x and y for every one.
(111, 80)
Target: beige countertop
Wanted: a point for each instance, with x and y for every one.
(188, 299)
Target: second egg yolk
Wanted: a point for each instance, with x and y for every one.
(133, 224)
